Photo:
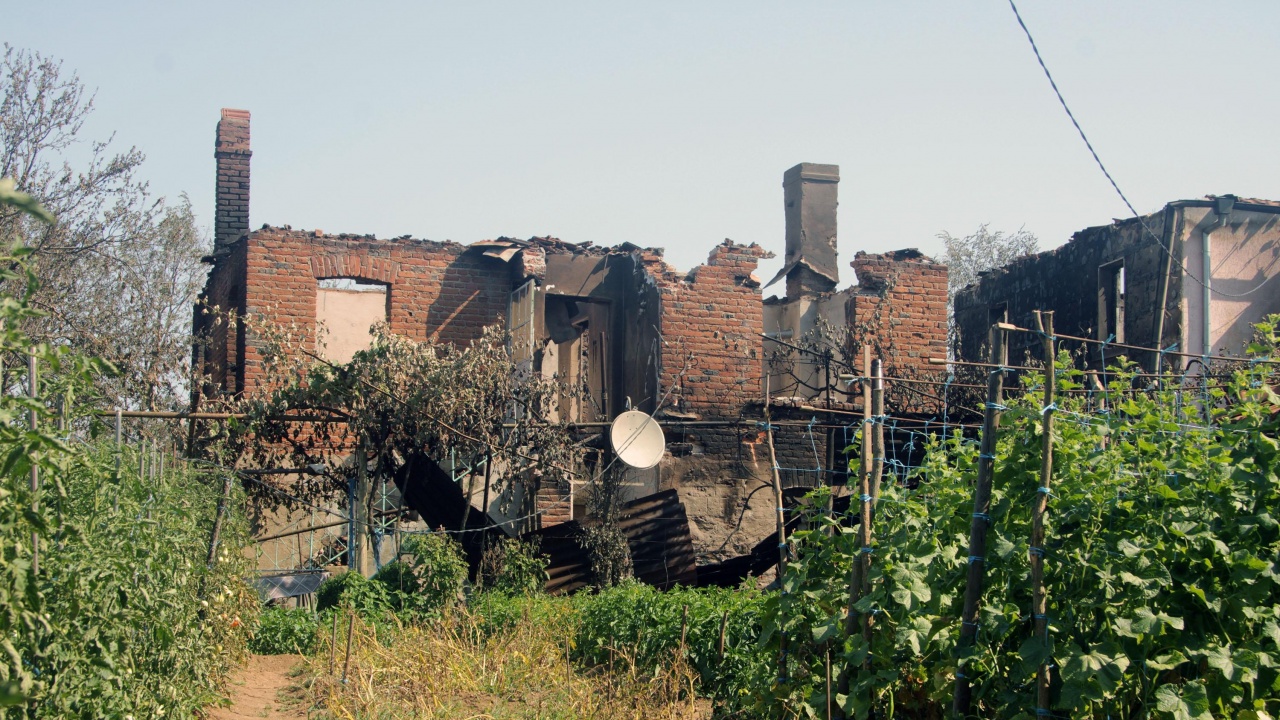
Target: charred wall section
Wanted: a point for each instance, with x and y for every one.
(1078, 281)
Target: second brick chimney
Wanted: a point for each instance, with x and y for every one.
(231, 217)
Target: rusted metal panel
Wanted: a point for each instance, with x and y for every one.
(657, 532)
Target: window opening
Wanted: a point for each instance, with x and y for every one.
(1111, 294)
(348, 308)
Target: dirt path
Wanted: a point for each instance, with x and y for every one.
(256, 688)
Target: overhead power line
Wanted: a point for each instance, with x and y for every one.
(1101, 166)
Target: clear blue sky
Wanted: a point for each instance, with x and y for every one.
(670, 124)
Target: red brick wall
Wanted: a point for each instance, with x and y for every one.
(711, 324)
(900, 307)
(438, 291)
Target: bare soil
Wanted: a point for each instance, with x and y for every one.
(257, 690)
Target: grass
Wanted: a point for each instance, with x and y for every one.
(473, 665)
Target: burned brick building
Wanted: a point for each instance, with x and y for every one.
(687, 347)
(1191, 279)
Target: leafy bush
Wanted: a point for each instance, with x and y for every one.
(353, 591)
(643, 624)
(513, 567)
(438, 566)
(284, 630)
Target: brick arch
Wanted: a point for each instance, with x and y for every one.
(355, 265)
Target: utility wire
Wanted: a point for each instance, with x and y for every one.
(1035, 49)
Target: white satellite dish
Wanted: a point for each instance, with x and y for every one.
(637, 439)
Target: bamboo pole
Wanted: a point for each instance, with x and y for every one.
(981, 517)
(1039, 601)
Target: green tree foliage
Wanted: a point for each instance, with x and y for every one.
(119, 270)
(985, 249)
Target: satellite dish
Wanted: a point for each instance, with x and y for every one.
(637, 439)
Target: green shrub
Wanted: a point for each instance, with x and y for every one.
(513, 567)
(644, 623)
(438, 570)
(284, 630)
(353, 591)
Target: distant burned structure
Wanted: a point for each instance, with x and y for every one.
(1191, 279)
(687, 347)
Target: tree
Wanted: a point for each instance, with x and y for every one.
(969, 256)
(118, 271)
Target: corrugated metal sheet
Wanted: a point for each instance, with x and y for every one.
(657, 532)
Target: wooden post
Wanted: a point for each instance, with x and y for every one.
(828, 683)
(1039, 602)
(115, 497)
(684, 628)
(981, 516)
(724, 624)
(783, 643)
(217, 519)
(33, 391)
(877, 430)
(333, 644)
(346, 660)
(360, 512)
(859, 573)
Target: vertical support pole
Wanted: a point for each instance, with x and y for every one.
(333, 644)
(360, 511)
(859, 572)
(488, 480)
(217, 519)
(684, 628)
(115, 501)
(780, 521)
(877, 429)
(724, 624)
(33, 391)
(828, 683)
(981, 516)
(1039, 601)
(346, 660)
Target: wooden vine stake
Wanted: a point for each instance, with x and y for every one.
(33, 391)
(781, 523)
(1039, 602)
(860, 572)
(981, 512)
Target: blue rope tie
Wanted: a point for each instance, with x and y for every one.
(986, 456)
(970, 624)
(961, 675)
(1037, 551)
(865, 498)
(982, 516)
(976, 558)
(766, 426)
(782, 544)
(1044, 491)
(868, 551)
(996, 406)
(1043, 712)
(1047, 408)
(1040, 617)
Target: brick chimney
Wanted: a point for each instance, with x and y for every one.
(231, 218)
(809, 192)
